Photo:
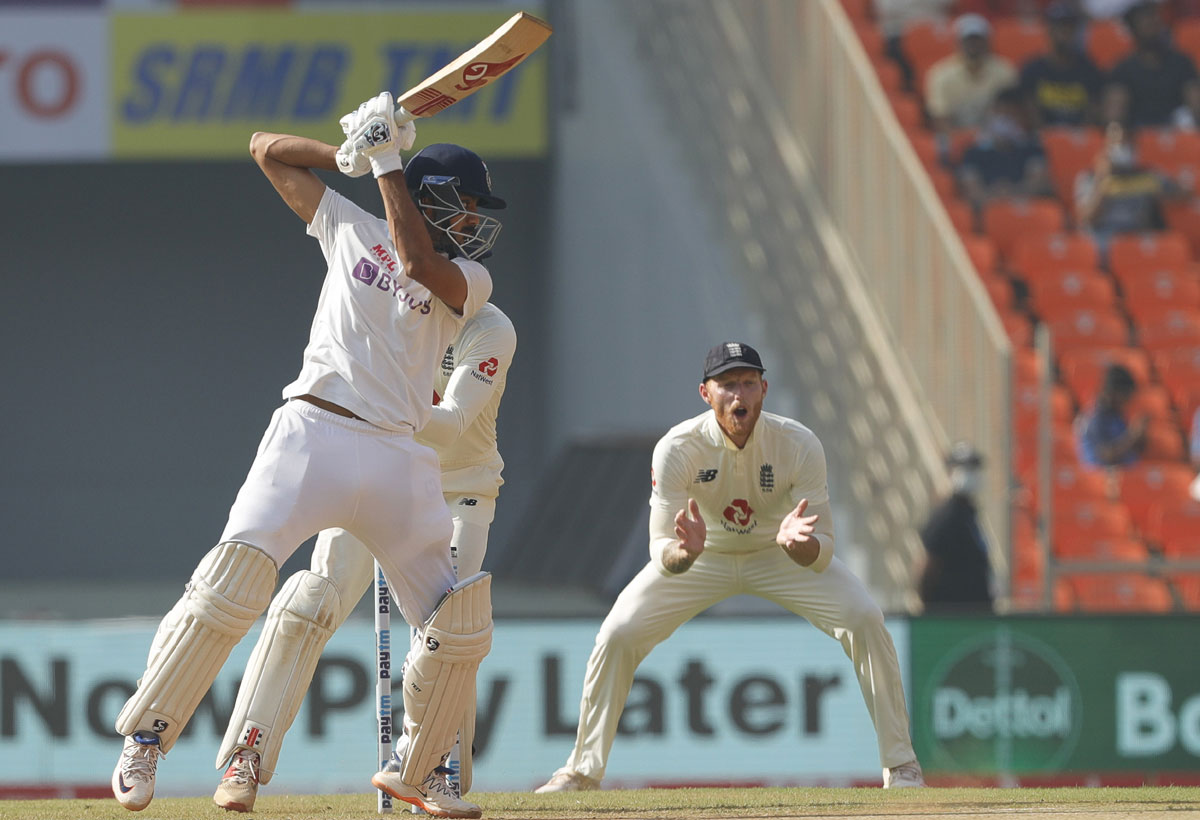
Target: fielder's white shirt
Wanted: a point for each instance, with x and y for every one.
(377, 336)
(743, 494)
(469, 385)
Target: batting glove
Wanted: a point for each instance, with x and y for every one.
(372, 131)
(351, 162)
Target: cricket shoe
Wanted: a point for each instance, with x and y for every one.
(239, 784)
(905, 776)
(133, 779)
(565, 780)
(434, 796)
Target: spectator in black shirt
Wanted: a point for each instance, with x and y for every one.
(1156, 75)
(1006, 159)
(1063, 86)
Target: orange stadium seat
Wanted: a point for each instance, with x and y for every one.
(1027, 366)
(1178, 529)
(961, 215)
(1186, 34)
(859, 11)
(1173, 519)
(1151, 294)
(1152, 401)
(1164, 441)
(1177, 328)
(1187, 587)
(925, 145)
(944, 184)
(1184, 218)
(908, 110)
(872, 42)
(1089, 328)
(1117, 550)
(999, 289)
(1058, 252)
(925, 43)
(1018, 40)
(1144, 484)
(1134, 254)
(1119, 592)
(1179, 370)
(1107, 42)
(1063, 451)
(1068, 152)
(1008, 220)
(982, 252)
(1062, 292)
(1083, 369)
(1018, 326)
(1167, 147)
(1090, 518)
(1027, 408)
(886, 69)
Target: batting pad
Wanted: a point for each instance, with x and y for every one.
(302, 616)
(229, 589)
(439, 679)
(466, 743)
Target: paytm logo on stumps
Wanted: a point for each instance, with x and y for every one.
(1004, 703)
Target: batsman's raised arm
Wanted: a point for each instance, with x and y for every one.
(288, 162)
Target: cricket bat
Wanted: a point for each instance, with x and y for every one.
(496, 55)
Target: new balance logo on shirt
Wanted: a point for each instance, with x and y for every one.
(705, 476)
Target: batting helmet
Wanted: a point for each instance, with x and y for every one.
(443, 159)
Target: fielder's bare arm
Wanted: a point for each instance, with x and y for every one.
(341, 452)
(738, 504)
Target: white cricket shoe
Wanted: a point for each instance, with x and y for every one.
(435, 795)
(905, 776)
(239, 784)
(565, 780)
(133, 779)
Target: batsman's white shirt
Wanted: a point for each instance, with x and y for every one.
(376, 332)
(743, 494)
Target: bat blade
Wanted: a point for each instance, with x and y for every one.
(494, 56)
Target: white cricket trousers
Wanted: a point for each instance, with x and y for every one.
(655, 604)
(316, 470)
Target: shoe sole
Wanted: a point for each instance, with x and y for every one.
(425, 807)
(233, 806)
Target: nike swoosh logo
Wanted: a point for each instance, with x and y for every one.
(121, 782)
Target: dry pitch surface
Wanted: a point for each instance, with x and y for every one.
(1175, 803)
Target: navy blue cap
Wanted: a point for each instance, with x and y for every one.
(443, 159)
(729, 355)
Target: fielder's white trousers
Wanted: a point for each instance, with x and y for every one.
(655, 604)
(316, 470)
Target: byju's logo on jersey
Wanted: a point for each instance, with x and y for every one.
(739, 517)
(369, 274)
(705, 476)
(486, 370)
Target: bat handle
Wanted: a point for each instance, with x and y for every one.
(402, 115)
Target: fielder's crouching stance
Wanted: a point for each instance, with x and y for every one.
(738, 504)
(340, 453)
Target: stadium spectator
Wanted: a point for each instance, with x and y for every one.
(957, 576)
(1156, 75)
(1105, 437)
(894, 16)
(1187, 116)
(1006, 159)
(1001, 9)
(1120, 195)
(959, 88)
(1063, 86)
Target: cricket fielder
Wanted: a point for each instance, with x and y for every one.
(340, 452)
(738, 504)
(462, 429)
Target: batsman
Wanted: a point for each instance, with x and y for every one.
(340, 452)
(738, 505)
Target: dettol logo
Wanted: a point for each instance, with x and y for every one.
(1004, 702)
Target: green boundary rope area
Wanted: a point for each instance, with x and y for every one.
(978, 804)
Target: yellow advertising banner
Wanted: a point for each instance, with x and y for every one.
(198, 83)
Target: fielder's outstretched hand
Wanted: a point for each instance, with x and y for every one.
(691, 530)
(796, 535)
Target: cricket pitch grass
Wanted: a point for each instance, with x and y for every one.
(1176, 803)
